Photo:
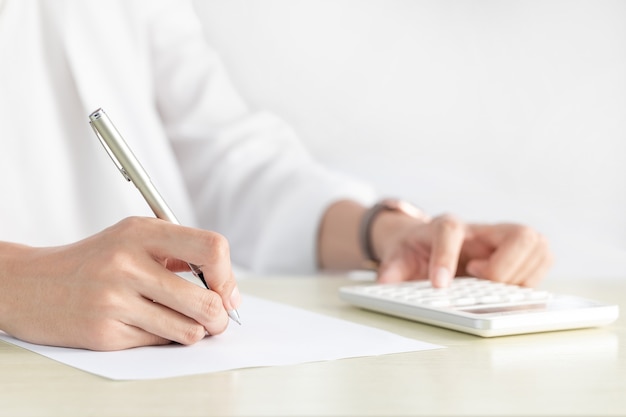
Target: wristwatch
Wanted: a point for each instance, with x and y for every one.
(365, 229)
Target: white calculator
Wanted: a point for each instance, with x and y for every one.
(481, 307)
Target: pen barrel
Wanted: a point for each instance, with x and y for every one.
(129, 165)
(155, 201)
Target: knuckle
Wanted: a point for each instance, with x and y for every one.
(450, 222)
(118, 258)
(103, 334)
(131, 224)
(106, 303)
(135, 227)
(544, 244)
(526, 235)
(212, 314)
(192, 334)
(219, 327)
(100, 337)
(494, 274)
(210, 306)
(219, 245)
(117, 264)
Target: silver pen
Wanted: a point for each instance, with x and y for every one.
(131, 169)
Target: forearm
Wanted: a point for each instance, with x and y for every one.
(11, 256)
(338, 239)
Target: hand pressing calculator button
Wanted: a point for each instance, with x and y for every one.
(481, 307)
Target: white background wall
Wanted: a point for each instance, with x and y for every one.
(492, 110)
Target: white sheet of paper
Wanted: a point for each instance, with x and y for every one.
(272, 334)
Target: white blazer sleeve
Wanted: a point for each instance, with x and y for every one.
(248, 174)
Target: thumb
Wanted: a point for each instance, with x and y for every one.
(394, 270)
(477, 268)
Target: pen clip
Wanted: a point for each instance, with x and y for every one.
(111, 154)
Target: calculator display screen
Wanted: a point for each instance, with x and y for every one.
(557, 303)
(507, 309)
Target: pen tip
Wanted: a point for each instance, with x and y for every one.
(234, 315)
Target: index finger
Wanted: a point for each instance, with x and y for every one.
(447, 242)
(207, 250)
(183, 300)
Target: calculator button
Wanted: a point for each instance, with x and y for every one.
(491, 299)
(436, 302)
(514, 297)
(539, 295)
(464, 301)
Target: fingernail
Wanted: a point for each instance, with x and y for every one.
(235, 298)
(442, 277)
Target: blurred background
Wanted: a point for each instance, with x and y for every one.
(491, 110)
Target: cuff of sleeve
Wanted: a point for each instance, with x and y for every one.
(292, 245)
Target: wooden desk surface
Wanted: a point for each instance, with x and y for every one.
(570, 373)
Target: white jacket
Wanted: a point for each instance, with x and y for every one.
(218, 164)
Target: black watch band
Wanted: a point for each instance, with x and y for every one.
(365, 229)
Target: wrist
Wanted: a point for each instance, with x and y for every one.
(12, 262)
(382, 223)
(12, 259)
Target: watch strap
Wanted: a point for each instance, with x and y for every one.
(365, 229)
